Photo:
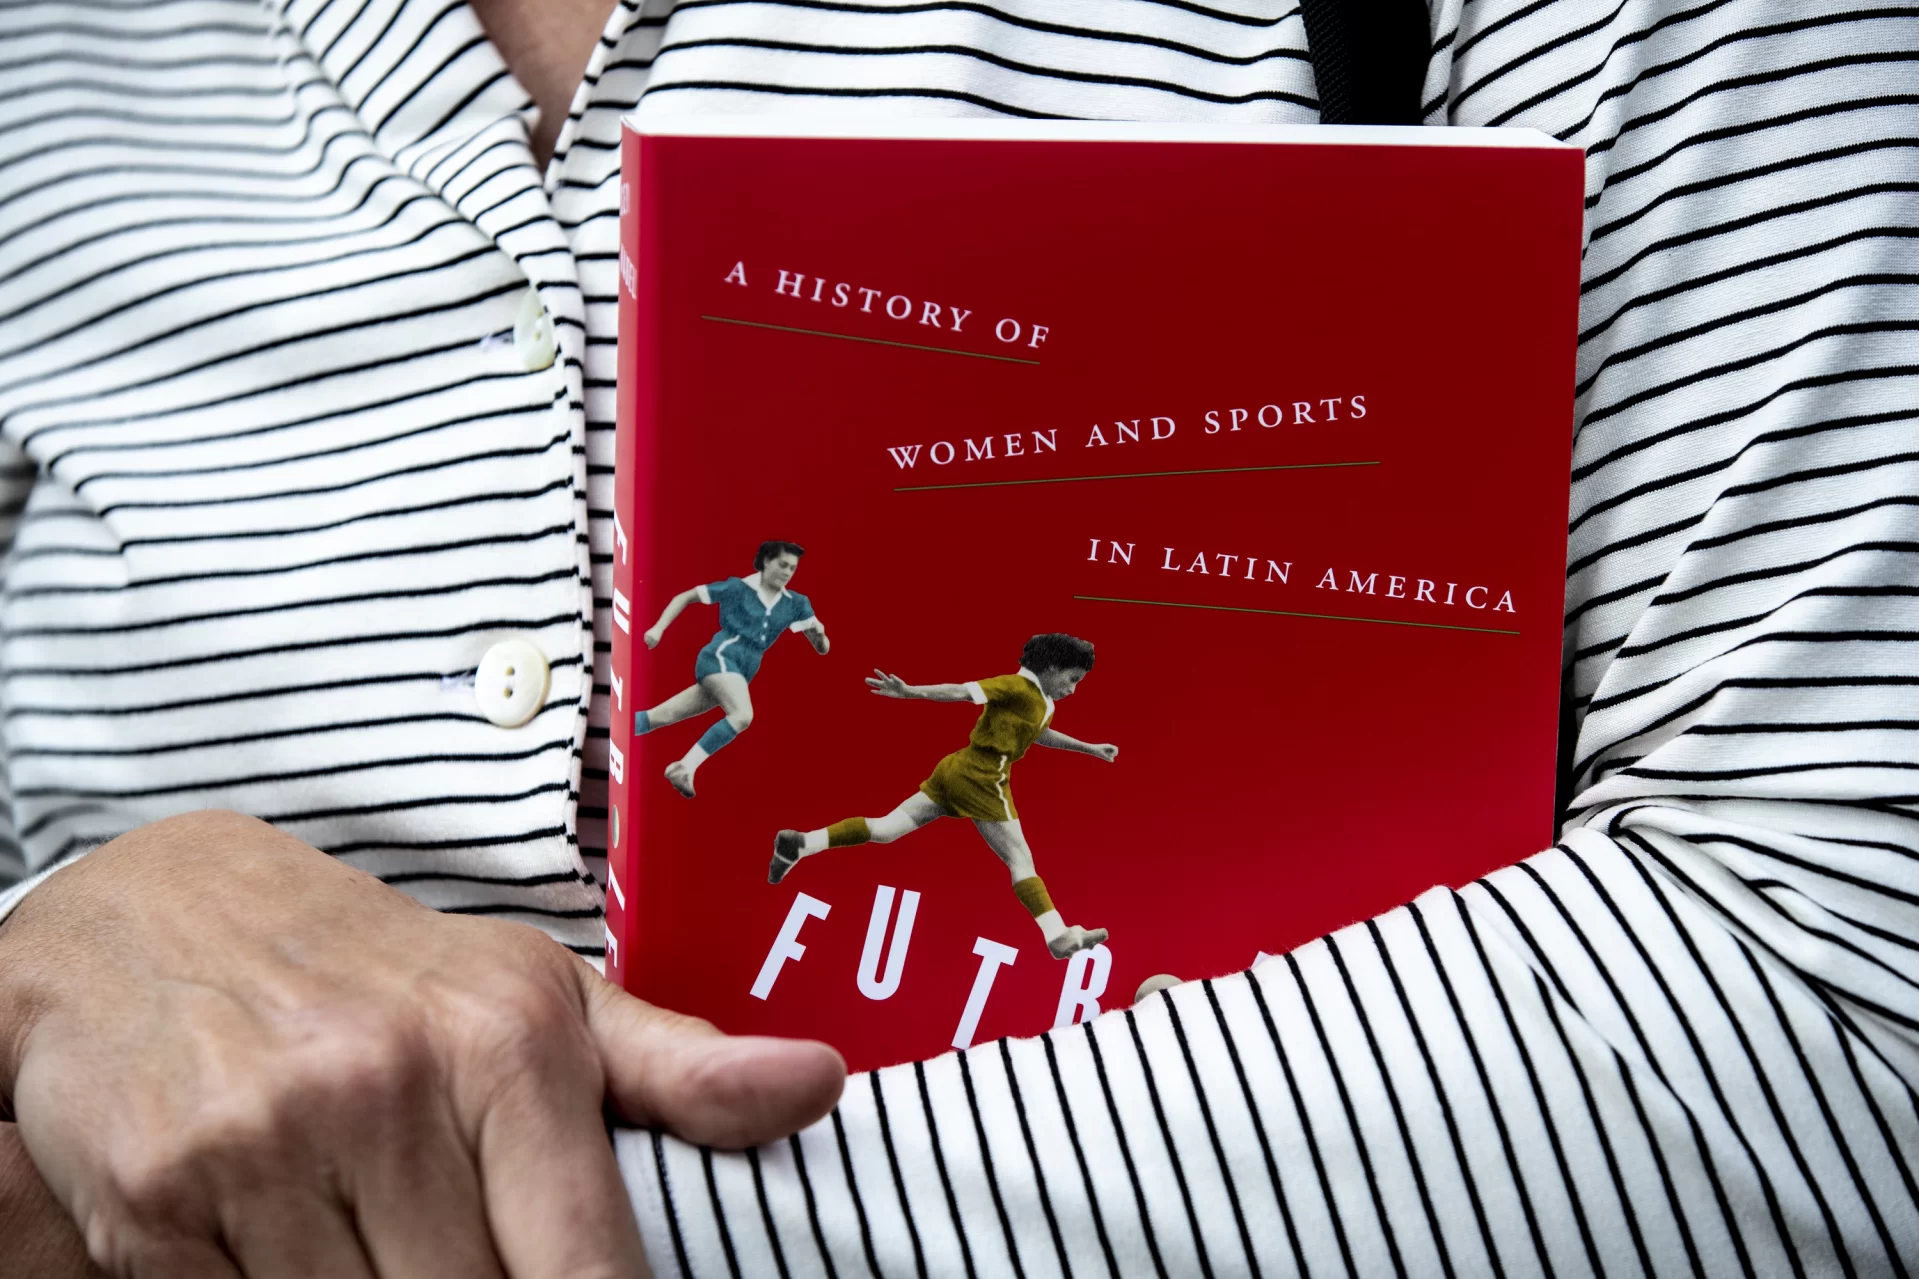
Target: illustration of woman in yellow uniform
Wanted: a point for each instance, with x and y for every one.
(973, 782)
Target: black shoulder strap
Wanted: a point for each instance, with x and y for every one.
(1369, 58)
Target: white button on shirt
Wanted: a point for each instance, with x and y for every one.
(511, 683)
(533, 334)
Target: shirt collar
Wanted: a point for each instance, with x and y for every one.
(467, 120)
(754, 581)
(417, 121)
(1042, 689)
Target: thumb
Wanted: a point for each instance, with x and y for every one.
(667, 1070)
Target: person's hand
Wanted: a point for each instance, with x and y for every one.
(1106, 751)
(652, 637)
(36, 1236)
(229, 1054)
(888, 685)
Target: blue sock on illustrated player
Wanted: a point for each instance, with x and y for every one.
(642, 723)
(681, 773)
(711, 741)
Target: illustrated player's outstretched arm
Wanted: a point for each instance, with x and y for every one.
(674, 607)
(1061, 742)
(817, 638)
(893, 686)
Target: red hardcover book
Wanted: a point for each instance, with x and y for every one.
(1028, 530)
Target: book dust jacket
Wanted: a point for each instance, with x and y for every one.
(1052, 556)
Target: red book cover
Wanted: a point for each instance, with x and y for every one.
(1053, 555)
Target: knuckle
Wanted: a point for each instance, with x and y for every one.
(113, 1245)
(333, 1075)
(239, 1129)
(119, 1240)
(138, 1254)
(142, 1189)
(527, 1030)
(530, 1030)
(516, 1013)
(369, 1061)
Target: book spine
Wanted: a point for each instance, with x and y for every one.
(636, 397)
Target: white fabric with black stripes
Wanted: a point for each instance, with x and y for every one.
(276, 478)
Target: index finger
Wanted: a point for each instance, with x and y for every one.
(555, 1201)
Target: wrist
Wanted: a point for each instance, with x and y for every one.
(81, 928)
(25, 993)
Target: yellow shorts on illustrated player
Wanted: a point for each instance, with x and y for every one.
(1016, 711)
(972, 783)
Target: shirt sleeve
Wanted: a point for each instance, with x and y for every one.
(14, 893)
(1685, 1039)
(713, 592)
(997, 689)
(807, 620)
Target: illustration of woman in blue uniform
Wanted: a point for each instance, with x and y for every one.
(754, 612)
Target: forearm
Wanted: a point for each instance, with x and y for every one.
(37, 1237)
(1061, 742)
(937, 693)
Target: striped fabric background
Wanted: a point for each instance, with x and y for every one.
(279, 474)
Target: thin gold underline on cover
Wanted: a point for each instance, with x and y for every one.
(1130, 475)
(848, 337)
(1279, 612)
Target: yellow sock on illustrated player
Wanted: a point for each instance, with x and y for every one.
(846, 834)
(1032, 894)
(791, 845)
(1062, 938)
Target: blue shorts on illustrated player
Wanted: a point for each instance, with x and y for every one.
(1016, 711)
(754, 612)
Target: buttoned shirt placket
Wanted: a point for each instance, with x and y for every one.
(451, 136)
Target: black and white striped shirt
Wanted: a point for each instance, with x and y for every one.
(278, 473)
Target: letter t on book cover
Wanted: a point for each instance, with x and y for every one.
(1052, 555)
